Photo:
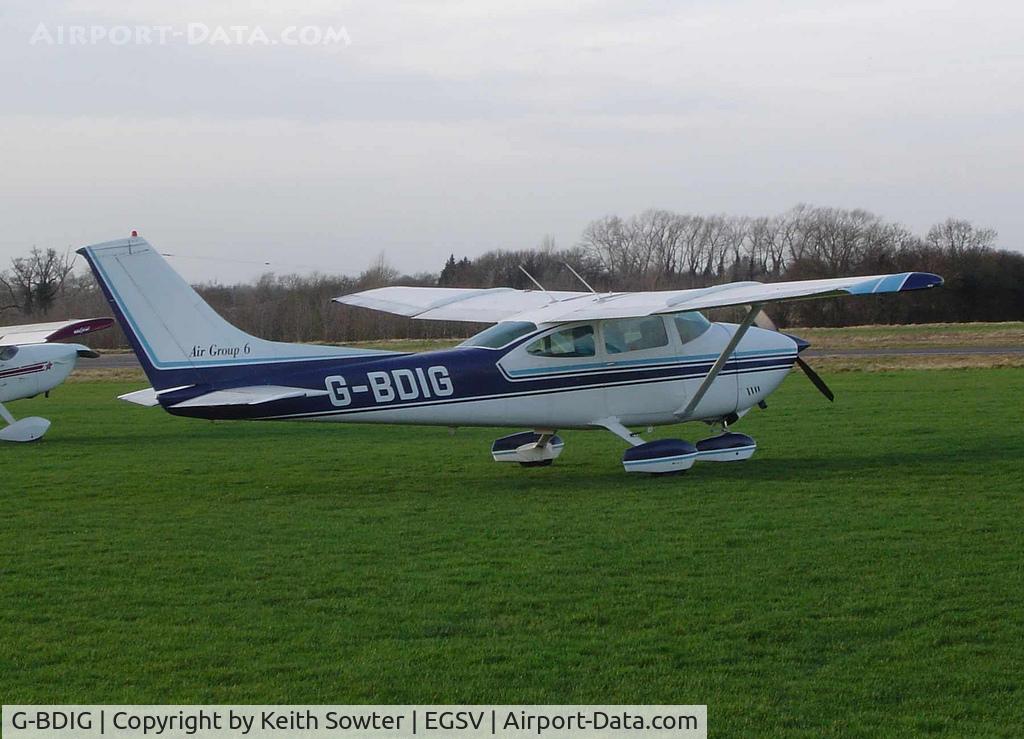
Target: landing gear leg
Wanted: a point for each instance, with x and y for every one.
(540, 450)
(27, 429)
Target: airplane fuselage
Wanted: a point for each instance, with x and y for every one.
(509, 386)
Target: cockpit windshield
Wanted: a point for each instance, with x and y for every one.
(691, 325)
(7, 352)
(500, 334)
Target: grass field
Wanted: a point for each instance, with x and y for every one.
(930, 335)
(861, 576)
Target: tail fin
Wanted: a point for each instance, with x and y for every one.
(178, 338)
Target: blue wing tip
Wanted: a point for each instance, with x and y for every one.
(921, 281)
(897, 283)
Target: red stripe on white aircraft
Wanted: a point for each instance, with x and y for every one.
(28, 369)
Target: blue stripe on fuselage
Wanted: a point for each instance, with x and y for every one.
(632, 364)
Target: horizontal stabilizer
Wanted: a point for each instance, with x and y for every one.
(251, 395)
(41, 333)
(147, 398)
(150, 397)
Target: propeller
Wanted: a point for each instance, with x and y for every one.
(815, 378)
(761, 320)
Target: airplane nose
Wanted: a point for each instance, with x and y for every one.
(801, 344)
(65, 354)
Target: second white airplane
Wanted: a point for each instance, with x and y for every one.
(33, 362)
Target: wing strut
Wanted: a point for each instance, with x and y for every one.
(585, 283)
(716, 368)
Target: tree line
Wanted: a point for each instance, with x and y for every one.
(664, 250)
(652, 250)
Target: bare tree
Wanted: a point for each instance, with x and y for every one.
(379, 273)
(32, 283)
(605, 240)
(9, 301)
(715, 237)
(654, 237)
(959, 237)
(547, 245)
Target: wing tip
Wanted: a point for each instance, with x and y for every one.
(80, 327)
(921, 281)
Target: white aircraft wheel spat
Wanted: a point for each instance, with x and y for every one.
(27, 429)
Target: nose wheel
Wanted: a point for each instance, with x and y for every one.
(661, 457)
(674, 456)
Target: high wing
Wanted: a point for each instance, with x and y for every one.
(483, 305)
(505, 304)
(42, 333)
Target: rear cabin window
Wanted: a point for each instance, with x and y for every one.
(577, 341)
(7, 352)
(691, 325)
(634, 334)
(500, 334)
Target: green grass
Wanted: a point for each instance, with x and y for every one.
(914, 329)
(927, 335)
(861, 576)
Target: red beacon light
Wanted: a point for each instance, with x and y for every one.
(135, 234)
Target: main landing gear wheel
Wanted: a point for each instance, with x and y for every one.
(529, 448)
(25, 430)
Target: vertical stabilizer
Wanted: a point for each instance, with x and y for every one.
(178, 338)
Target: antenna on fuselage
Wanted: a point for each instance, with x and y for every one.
(578, 277)
(534, 281)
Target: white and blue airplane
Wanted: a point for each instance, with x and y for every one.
(32, 364)
(552, 360)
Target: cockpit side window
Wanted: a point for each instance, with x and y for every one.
(634, 334)
(500, 334)
(576, 341)
(691, 325)
(8, 352)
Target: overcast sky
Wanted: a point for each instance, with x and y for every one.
(468, 126)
